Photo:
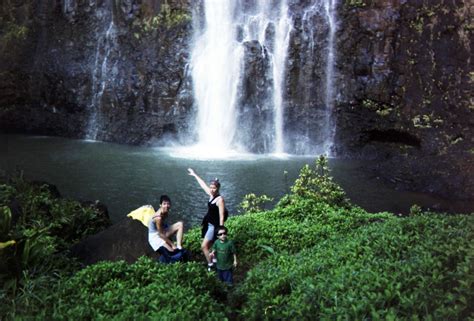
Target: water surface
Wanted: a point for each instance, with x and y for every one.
(126, 177)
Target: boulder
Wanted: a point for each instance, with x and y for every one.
(125, 240)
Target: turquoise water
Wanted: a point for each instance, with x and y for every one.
(126, 177)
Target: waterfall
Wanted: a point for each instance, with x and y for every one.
(239, 71)
(316, 60)
(217, 61)
(101, 75)
(281, 48)
(329, 6)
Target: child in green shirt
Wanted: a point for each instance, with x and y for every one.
(224, 251)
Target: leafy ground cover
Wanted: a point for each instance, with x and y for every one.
(36, 229)
(411, 269)
(314, 256)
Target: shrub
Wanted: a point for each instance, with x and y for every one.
(302, 224)
(314, 256)
(252, 203)
(316, 183)
(34, 241)
(315, 209)
(421, 267)
(145, 290)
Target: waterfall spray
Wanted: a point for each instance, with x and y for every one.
(215, 67)
(216, 64)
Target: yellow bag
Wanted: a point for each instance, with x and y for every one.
(143, 214)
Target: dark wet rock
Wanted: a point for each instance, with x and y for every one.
(125, 240)
(255, 107)
(122, 63)
(99, 207)
(401, 78)
(52, 189)
(15, 209)
(307, 110)
(403, 93)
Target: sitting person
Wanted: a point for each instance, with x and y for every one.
(159, 234)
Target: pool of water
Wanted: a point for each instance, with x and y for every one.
(126, 177)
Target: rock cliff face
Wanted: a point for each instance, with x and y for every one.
(403, 100)
(255, 112)
(116, 71)
(106, 70)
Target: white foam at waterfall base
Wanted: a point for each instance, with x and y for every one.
(206, 152)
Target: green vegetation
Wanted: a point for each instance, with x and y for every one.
(426, 121)
(355, 3)
(36, 228)
(380, 109)
(168, 17)
(253, 203)
(11, 33)
(314, 256)
(144, 290)
(418, 24)
(401, 269)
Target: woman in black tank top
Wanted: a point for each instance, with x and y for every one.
(213, 211)
(215, 214)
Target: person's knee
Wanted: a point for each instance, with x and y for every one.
(180, 225)
(205, 246)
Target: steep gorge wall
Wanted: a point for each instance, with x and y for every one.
(121, 62)
(405, 91)
(403, 79)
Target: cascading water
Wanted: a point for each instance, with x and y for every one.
(318, 29)
(281, 48)
(217, 65)
(330, 128)
(239, 71)
(101, 75)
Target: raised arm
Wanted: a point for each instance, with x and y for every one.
(201, 182)
(221, 206)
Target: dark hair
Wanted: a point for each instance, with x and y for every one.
(222, 227)
(164, 198)
(216, 182)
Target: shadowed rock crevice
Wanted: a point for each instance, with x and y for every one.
(392, 136)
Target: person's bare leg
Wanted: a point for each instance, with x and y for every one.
(205, 246)
(177, 228)
(169, 248)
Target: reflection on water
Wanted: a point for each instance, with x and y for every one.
(126, 177)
